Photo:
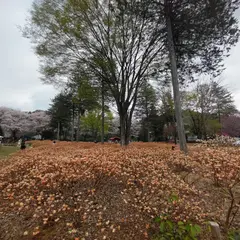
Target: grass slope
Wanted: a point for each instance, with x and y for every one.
(7, 150)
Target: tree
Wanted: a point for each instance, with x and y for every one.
(114, 130)
(161, 122)
(198, 36)
(174, 73)
(60, 113)
(12, 121)
(84, 97)
(168, 113)
(40, 119)
(117, 42)
(70, 105)
(146, 104)
(15, 123)
(1, 131)
(157, 123)
(231, 125)
(92, 123)
(205, 105)
(223, 102)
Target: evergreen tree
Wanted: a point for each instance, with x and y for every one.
(146, 104)
(60, 113)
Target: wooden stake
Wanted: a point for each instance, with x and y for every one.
(215, 229)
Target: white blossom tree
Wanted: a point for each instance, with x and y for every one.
(15, 122)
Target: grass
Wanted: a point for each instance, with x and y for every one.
(7, 150)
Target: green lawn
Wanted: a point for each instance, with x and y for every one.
(6, 150)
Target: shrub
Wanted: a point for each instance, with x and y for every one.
(169, 230)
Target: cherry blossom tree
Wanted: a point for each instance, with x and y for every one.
(40, 119)
(15, 122)
(231, 126)
(11, 121)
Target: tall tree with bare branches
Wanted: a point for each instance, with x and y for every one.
(115, 40)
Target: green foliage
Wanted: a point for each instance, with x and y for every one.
(92, 121)
(234, 235)
(146, 105)
(84, 94)
(203, 33)
(213, 127)
(60, 111)
(147, 99)
(81, 6)
(173, 198)
(169, 230)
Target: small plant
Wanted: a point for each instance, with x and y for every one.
(169, 230)
(234, 235)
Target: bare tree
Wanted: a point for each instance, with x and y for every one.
(116, 41)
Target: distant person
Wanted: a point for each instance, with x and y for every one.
(23, 144)
(19, 142)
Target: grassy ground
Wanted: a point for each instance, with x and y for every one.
(7, 150)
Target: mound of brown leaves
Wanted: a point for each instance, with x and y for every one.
(90, 191)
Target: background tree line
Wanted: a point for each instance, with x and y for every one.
(15, 123)
(208, 109)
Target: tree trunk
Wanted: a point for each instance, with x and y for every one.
(175, 134)
(128, 130)
(147, 128)
(58, 131)
(175, 83)
(123, 129)
(72, 133)
(103, 113)
(78, 124)
(204, 130)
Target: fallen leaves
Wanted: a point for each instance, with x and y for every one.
(93, 192)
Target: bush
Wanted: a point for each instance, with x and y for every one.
(169, 230)
(175, 230)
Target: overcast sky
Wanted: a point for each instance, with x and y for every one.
(20, 86)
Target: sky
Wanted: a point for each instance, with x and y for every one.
(20, 85)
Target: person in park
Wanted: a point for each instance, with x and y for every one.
(23, 144)
(19, 142)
